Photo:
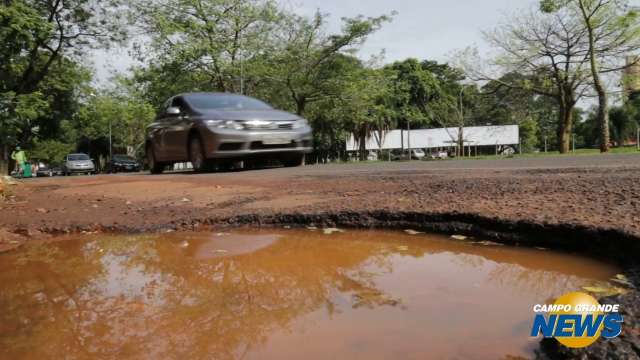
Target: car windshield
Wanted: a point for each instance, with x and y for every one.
(122, 158)
(78, 157)
(225, 102)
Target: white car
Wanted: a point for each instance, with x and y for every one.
(439, 155)
(78, 163)
(417, 154)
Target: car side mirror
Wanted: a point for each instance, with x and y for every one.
(172, 110)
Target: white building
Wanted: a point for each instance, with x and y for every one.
(440, 138)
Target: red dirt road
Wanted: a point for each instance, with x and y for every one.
(601, 192)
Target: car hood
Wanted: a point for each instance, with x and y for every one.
(127, 162)
(247, 115)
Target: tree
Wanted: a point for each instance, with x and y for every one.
(210, 41)
(502, 105)
(432, 94)
(365, 106)
(41, 42)
(550, 50)
(123, 114)
(311, 65)
(613, 31)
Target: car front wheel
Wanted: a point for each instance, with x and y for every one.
(196, 155)
(154, 166)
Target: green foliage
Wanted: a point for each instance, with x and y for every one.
(124, 114)
(52, 151)
(41, 43)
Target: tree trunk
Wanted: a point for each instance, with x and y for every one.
(603, 107)
(363, 148)
(564, 128)
(301, 103)
(603, 122)
(460, 141)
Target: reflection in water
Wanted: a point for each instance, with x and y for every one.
(277, 294)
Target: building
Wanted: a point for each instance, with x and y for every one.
(474, 137)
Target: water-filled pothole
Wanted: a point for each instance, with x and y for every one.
(278, 294)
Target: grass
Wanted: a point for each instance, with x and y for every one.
(578, 152)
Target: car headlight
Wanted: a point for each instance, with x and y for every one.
(225, 124)
(300, 123)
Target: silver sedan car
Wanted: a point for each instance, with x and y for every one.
(78, 163)
(210, 129)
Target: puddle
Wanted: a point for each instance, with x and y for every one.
(278, 294)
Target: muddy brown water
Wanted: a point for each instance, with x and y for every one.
(278, 294)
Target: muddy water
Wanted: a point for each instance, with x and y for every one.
(278, 294)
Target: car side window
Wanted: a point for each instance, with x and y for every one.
(179, 103)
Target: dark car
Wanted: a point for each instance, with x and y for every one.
(44, 168)
(124, 163)
(209, 129)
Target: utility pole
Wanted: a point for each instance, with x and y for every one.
(545, 143)
(638, 138)
(573, 137)
(520, 146)
(110, 146)
(461, 125)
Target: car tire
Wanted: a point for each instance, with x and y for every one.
(154, 166)
(196, 155)
(293, 161)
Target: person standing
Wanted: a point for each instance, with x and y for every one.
(21, 160)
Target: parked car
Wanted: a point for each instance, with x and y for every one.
(120, 163)
(43, 168)
(78, 163)
(439, 155)
(416, 154)
(508, 151)
(209, 129)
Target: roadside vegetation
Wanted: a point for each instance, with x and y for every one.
(51, 105)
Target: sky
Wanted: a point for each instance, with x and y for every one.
(423, 29)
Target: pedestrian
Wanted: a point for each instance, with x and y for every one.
(21, 160)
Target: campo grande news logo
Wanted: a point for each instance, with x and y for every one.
(577, 320)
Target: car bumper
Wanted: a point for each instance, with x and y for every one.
(126, 167)
(44, 173)
(228, 143)
(82, 169)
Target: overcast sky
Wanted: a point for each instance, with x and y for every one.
(424, 29)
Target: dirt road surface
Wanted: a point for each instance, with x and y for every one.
(598, 193)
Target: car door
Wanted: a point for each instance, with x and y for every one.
(177, 131)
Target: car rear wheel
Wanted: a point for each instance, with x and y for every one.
(154, 166)
(293, 161)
